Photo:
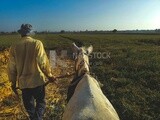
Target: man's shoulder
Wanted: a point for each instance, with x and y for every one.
(34, 40)
(38, 42)
(30, 40)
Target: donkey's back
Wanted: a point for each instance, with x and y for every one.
(89, 103)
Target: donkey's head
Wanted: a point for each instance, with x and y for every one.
(81, 56)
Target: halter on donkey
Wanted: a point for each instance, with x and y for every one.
(87, 102)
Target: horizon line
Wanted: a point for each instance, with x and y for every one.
(86, 30)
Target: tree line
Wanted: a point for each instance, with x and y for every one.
(89, 31)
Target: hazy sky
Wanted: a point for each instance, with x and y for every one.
(55, 15)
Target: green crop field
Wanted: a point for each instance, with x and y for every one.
(130, 74)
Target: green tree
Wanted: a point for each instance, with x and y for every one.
(114, 31)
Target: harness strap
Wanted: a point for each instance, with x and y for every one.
(77, 80)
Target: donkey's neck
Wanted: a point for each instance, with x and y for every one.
(82, 70)
(82, 67)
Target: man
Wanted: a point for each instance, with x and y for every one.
(28, 65)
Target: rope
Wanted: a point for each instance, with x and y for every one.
(63, 76)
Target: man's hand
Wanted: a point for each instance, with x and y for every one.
(14, 89)
(52, 79)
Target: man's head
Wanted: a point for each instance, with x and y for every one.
(26, 30)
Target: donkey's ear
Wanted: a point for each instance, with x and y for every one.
(75, 48)
(89, 49)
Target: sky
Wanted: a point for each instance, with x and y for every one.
(75, 15)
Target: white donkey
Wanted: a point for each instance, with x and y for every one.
(87, 102)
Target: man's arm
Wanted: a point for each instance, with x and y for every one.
(12, 72)
(43, 61)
